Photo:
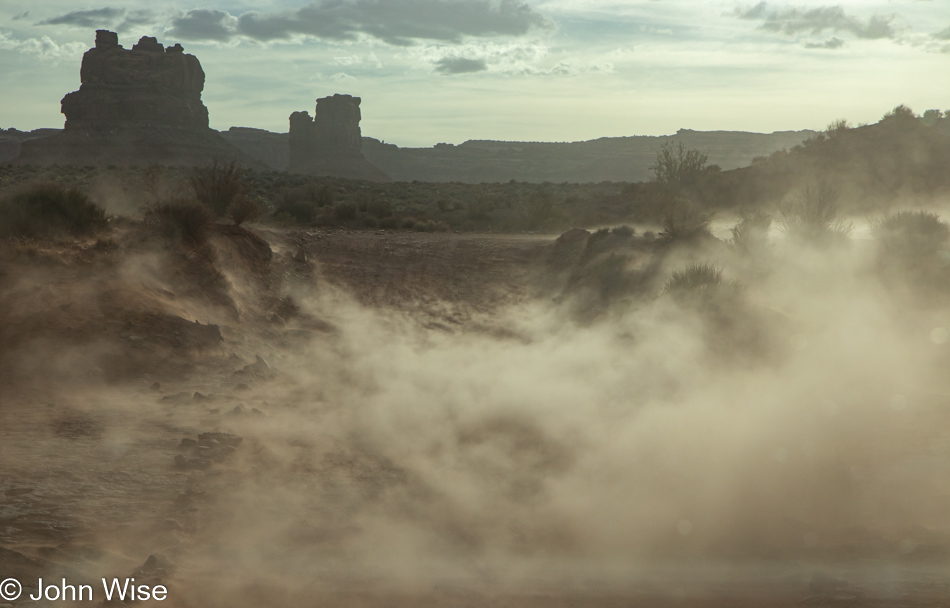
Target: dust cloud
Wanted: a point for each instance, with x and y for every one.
(606, 454)
(787, 429)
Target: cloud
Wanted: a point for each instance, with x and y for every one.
(45, 48)
(203, 24)
(460, 65)
(798, 20)
(398, 22)
(943, 34)
(21, 16)
(831, 43)
(99, 17)
(118, 19)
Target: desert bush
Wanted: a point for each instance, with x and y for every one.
(813, 215)
(540, 210)
(911, 233)
(219, 186)
(49, 209)
(408, 223)
(623, 231)
(388, 223)
(181, 220)
(684, 221)
(244, 209)
(752, 232)
(699, 283)
(380, 208)
(345, 211)
(295, 206)
(678, 167)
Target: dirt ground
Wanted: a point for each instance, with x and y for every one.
(156, 424)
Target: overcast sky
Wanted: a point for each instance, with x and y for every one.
(434, 71)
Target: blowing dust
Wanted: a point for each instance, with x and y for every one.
(608, 454)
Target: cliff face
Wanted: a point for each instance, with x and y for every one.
(330, 143)
(135, 106)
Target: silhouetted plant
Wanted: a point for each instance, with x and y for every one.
(219, 186)
(678, 168)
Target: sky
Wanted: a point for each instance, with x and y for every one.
(432, 71)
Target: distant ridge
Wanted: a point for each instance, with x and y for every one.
(617, 159)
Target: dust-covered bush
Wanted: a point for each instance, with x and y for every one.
(700, 283)
(813, 215)
(684, 221)
(47, 210)
(751, 234)
(244, 209)
(911, 233)
(180, 220)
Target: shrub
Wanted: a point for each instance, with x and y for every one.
(180, 220)
(297, 207)
(623, 231)
(219, 186)
(752, 232)
(539, 210)
(388, 223)
(245, 209)
(812, 215)
(699, 282)
(911, 233)
(380, 209)
(684, 221)
(345, 211)
(678, 167)
(49, 209)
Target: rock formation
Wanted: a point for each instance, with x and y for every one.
(135, 106)
(330, 143)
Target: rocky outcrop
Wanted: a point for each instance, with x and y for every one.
(330, 143)
(135, 106)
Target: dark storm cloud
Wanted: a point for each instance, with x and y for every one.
(118, 19)
(831, 43)
(203, 24)
(97, 17)
(460, 65)
(799, 20)
(394, 21)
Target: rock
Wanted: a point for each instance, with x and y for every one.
(222, 438)
(188, 443)
(135, 106)
(199, 397)
(156, 386)
(241, 387)
(301, 256)
(330, 143)
(573, 235)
